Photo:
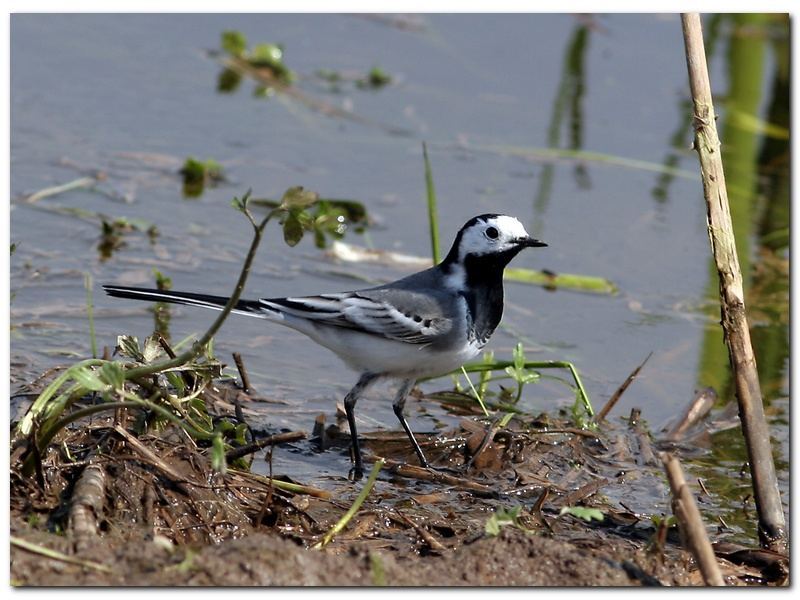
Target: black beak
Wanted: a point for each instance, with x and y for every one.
(529, 242)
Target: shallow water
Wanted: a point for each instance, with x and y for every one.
(134, 95)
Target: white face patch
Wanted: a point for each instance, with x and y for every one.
(490, 236)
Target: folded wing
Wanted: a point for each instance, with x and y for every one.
(401, 315)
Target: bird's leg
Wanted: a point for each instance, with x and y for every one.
(349, 404)
(398, 405)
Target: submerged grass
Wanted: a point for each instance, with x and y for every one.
(582, 155)
(582, 283)
(342, 523)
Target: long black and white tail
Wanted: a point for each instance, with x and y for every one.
(252, 308)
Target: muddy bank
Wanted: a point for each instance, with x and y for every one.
(141, 510)
(513, 558)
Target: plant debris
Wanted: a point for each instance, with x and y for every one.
(541, 489)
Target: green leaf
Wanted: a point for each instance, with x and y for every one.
(176, 381)
(87, 378)
(218, 462)
(513, 372)
(298, 197)
(492, 526)
(193, 170)
(227, 81)
(502, 518)
(375, 79)
(162, 281)
(270, 55)
(234, 42)
(518, 355)
(583, 512)
(292, 230)
(198, 172)
(128, 345)
(113, 373)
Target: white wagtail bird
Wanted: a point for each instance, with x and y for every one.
(427, 324)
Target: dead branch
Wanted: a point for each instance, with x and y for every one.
(690, 522)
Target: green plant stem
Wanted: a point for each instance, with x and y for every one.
(87, 411)
(295, 488)
(341, 523)
(475, 392)
(83, 182)
(197, 347)
(133, 401)
(549, 364)
(433, 218)
(25, 426)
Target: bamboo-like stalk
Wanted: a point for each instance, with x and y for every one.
(87, 505)
(694, 532)
(771, 521)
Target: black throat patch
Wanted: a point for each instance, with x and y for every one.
(484, 289)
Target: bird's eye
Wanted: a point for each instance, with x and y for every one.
(492, 233)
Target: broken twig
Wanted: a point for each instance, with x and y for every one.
(694, 532)
(272, 440)
(620, 390)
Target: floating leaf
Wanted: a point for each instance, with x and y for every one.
(375, 79)
(583, 512)
(197, 173)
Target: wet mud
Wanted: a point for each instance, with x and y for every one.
(533, 501)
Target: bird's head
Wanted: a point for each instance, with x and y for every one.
(497, 238)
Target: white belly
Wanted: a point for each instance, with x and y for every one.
(369, 353)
